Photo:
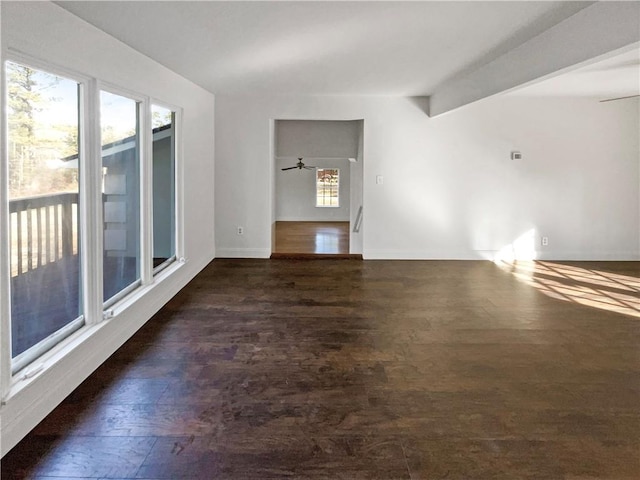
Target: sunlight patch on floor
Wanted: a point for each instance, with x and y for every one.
(584, 286)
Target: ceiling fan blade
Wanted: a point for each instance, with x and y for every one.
(309, 168)
(619, 98)
(288, 168)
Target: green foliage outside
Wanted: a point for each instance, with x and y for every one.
(160, 117)
(43, 132)
(36, 144)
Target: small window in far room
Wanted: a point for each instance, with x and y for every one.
(327, 187)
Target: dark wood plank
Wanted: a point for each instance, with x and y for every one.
(382, 370)
(81, 457)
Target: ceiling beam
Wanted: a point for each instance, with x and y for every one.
(595, 31)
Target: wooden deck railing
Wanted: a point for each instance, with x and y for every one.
(43, 230)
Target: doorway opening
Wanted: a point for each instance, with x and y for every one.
(295, 238)
(317, 189)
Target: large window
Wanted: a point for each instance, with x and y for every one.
(86, 217)
(120, 138)
(164, 182)
(327, 187)
(43, 190)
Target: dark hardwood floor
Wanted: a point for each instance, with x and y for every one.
(312, 240)
(376, 369)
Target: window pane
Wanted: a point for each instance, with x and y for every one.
(121, 192)
(164, 228)
(327, 187)
(42, 127)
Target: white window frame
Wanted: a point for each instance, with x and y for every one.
(178, 184)
(146, 264)
(47, 344)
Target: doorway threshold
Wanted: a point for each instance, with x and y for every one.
(316, 256)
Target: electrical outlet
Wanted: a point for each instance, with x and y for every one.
(240, 231)
(545, 241)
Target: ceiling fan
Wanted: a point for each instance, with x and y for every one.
(618, 98)
(300, 165)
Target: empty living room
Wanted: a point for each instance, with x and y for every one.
(320, 239)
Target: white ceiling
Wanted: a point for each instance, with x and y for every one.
(320, 48)
(615, 77)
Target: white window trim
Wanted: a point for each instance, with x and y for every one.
(10, 366)
(178, 185)
(5, 267)
(146, 247)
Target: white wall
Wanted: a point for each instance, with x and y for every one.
(296, 192)
(357, 180)
(328, 139)
(450, 189)
(46, 31)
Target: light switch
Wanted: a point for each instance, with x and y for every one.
(379, 179)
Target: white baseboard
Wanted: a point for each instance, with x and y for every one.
(424, 255)
(490, 255)
(243, 253)
(309, 219)
(604, 256)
